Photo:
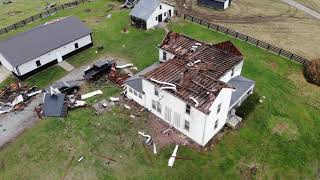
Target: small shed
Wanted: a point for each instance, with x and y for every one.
(149, 13)
(215, 4)
(29, 52)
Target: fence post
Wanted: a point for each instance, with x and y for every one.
(291, 56)
(200, 22)
(237, 34)
(191, 18)
(184, 16)
(268, 47)
(280, 51)
(257, 43)
(218, 28)
(247, 38)
(208, 25)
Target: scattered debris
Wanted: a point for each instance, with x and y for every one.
(54, 105)
(148, 137)
(117, 76)
(127, 107)
(95, 93)
(81, 158)
(103, 106)
(132, 116)
(167, 131)
(114, 99)
(124, 66)
(173, 156)
(129, 4)
(109, 16)
(6, 2)
(68, 87)
(154, 148)
(260, 101)
(50, 5)
(77, 103)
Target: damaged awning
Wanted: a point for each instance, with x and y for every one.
(243, 87)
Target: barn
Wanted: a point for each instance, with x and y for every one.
(215, 4)
(32, 51)
(149, 13)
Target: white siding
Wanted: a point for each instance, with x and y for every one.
(136, 96)
(236, 72)
(226, 4)
(51, 56)
(151, 22)
(178, 115)
(223, 98)
(169, 55)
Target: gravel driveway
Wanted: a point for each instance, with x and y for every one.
(302, 8)
(14, 123)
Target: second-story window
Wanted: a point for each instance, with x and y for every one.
(219, 108)
(216, 124)
(188, 109)
(156, 91)
(232, 72)
(164, 55)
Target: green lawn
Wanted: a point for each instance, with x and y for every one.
(281, 136)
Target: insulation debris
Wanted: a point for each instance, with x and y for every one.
(114, 99)
(124, 66)
(89, 95)
(148, 137)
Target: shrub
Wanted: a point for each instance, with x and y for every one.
(312, 71)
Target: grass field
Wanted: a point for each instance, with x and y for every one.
(282, 135)
(21, 9)
(269, 20)
(312, 4)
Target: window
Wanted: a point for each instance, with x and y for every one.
(130, 90)
(188, 107)
(165, 14)
(76, 45)
(186, 125)
(219, 108)
(154, 104)
(156, 18)
(140, 96)
(160, 7)
(164, 55)
(232, 72)
(216, 124)
(159, 107)
(156, 91)
(38, 63)
(135, 93)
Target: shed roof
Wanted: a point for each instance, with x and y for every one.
(40, 40)
(144, 9)
(242, 85)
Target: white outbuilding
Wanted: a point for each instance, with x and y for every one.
(27, 53)
(149, 13)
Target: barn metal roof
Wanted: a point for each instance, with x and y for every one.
(144, 9)
(40, 40)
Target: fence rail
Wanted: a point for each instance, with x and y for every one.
(246, 38)
(41, 15)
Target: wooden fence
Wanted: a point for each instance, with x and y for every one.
(246, 38)
(40, 16)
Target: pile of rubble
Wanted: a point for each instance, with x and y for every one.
(16, 97)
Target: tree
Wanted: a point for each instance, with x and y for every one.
(312, 71)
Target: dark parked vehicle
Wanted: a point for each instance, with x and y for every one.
(99, 69)
(68, 87)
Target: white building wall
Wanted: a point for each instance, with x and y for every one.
(136, 96)
(168, 56)
(223, 98)
(53, 55)
(196, 118)
(236, 72)
(152, 21)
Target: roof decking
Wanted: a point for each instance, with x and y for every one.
(190, 82)
(219, 58)
(40, 40)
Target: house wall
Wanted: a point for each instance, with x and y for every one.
(151, 22)
(136, 96)
(223, 98)
(226, 4)
(237, 71)
(5, 63)
(169, 55)
(196, 118)
(54, 55)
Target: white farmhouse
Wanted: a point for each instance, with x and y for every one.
(195, 87)
(149, 13)
(45, 45)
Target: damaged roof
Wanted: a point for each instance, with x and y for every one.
(191, 81)
(40, 40)
(219, 58)
(144, 9)
(54, 105)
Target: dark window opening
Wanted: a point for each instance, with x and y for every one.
(188, 109)
(164, 55)
(186, 125)
(216, 124)
(160, 7)
(156, 91)
(219, 109)
(76, 45)
(232, 72)
(38, 63)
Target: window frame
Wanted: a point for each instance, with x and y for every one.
(156, 91)
(187, 127)
(164, 55)
(188, 109)
(38, 63)
(219, 108)
(216, 124)
(76, 45)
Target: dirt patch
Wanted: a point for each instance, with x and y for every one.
(273, 65)
(13, 13)
(87, 10)
(283, 128)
